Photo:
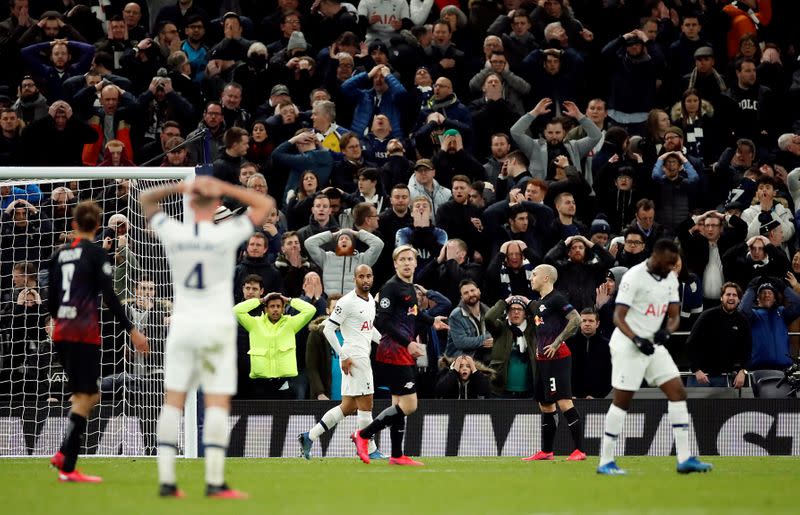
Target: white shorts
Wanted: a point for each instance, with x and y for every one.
(629, 366)
(359, 381)
(201, 355)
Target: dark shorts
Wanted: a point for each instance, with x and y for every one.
(553, 380)
(400, 379)
(81, 362)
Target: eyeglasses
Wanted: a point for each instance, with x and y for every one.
(635, 243)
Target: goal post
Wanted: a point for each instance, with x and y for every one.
(34, 401)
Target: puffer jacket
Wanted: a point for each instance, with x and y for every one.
(769, 328)
(358, 89)
(273, 346)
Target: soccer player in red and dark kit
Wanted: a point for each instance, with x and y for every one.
(396, 318)
(79, 273)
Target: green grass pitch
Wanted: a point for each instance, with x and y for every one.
(445, 485)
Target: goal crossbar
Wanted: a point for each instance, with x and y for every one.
(84, 172)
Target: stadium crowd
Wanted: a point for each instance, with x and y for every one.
(491, 136)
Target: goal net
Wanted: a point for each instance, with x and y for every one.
(34, 396)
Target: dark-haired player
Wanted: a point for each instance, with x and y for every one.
(350, 331)
(556, 321)
(79, 273)
(396, 319)
(647, 293)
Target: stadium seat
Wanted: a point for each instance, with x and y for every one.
(765, 384)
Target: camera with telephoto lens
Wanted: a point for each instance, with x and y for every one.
(791, 378)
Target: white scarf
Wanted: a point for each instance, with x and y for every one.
(520, 341)
(750, 13)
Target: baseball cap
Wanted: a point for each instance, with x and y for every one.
(279, 89)
(424, 163)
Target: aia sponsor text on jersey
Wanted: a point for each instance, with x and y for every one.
(656, 310)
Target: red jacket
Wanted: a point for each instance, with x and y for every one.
(742, 24)
(122, 132)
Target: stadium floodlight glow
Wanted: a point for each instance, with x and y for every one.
(32, 383)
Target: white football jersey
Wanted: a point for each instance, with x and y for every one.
(389, 11)
(648, 298)
(354, 317)
(202, 259)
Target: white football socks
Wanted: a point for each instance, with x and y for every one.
(679, 418)
(167, 430)
(215, 438)
(329, 420)
(615, 418)
(363, 419)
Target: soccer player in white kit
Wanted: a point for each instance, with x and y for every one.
(201, 343)
(647, 292)
(350, 332)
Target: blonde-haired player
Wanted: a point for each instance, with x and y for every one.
(396, 320)
(201, 344)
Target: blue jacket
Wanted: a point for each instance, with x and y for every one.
(770, 334)
(364, 99)
(30, 192)
(54, 83)
(319, 160)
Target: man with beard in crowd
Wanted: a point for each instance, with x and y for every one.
(543, 152)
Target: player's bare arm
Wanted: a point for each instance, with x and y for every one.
(674, 317)
(573, 324)
(346, 364)
(260, 205)
(150, 199)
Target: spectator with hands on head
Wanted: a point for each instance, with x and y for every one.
(542, 151)
(462, 379)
